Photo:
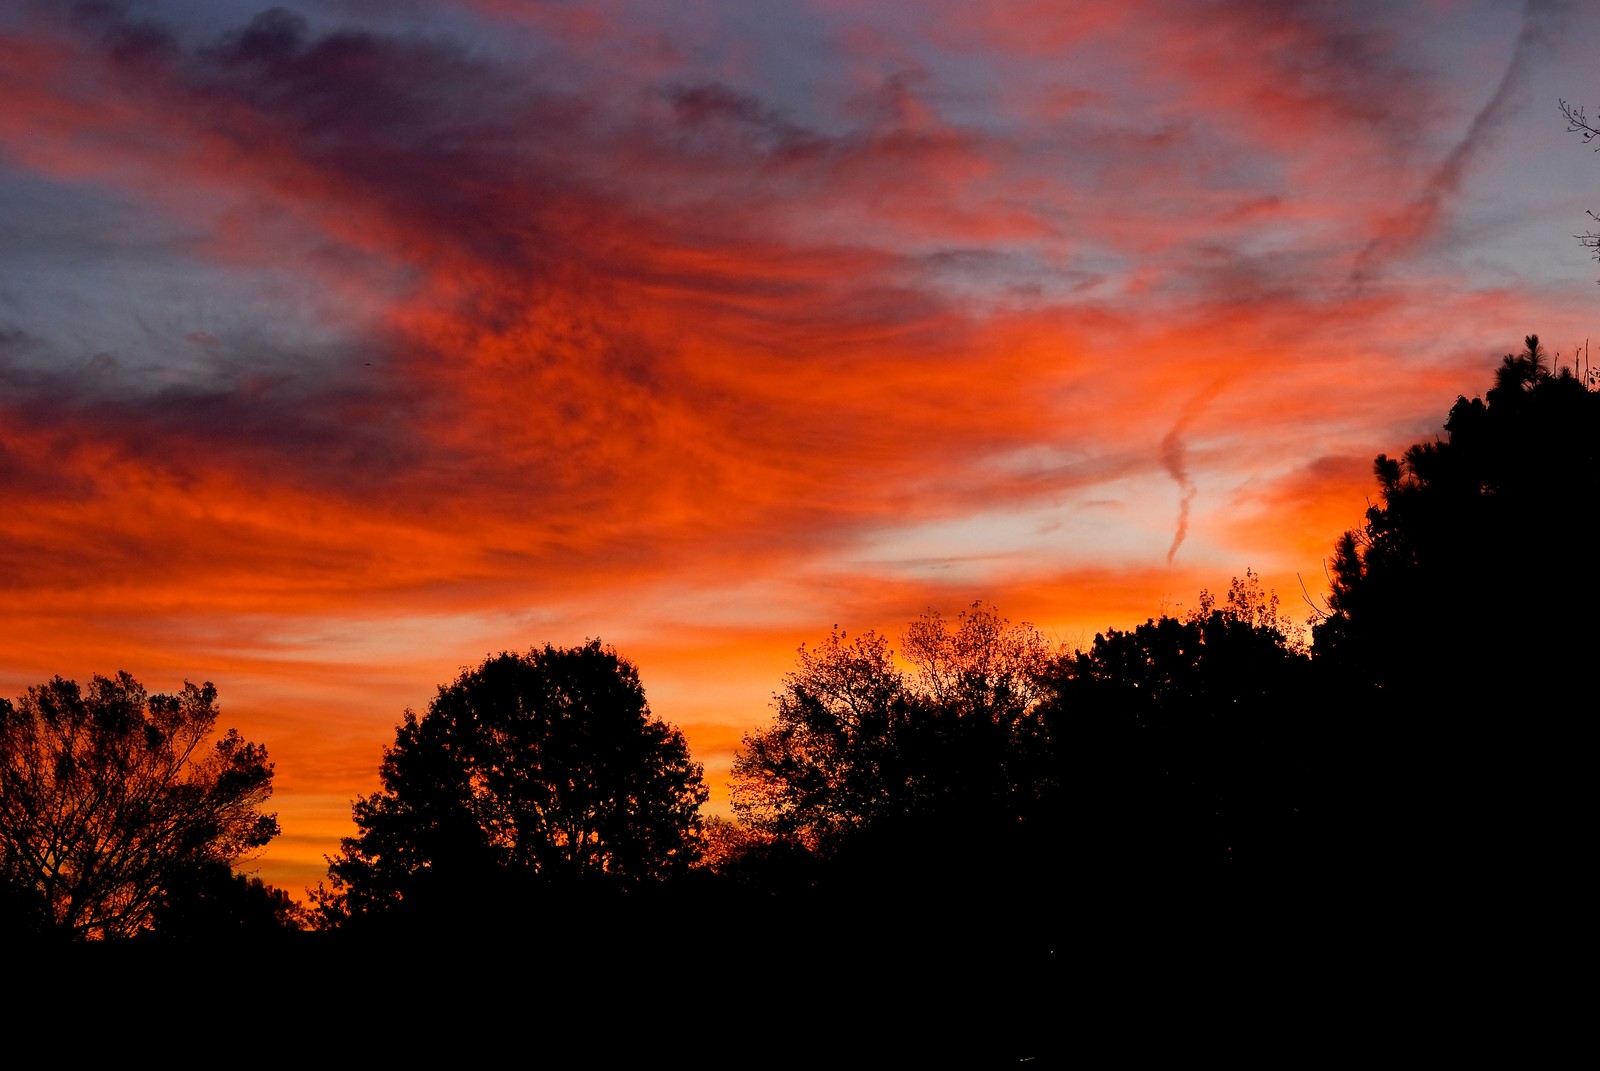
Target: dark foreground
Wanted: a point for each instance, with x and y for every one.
(1290, 976)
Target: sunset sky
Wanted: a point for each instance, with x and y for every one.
(346, 343)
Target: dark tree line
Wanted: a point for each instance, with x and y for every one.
(997, 765)
(1430, 736)
(1431, 731)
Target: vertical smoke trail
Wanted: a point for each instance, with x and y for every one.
(1174, 458)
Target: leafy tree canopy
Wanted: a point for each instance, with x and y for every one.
(212, 903)
(858, 740)
(535, 770)
(111, 801)
(1186, 741)
(1460, 630)
(1474, 560)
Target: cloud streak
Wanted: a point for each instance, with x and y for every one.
(1541, 22)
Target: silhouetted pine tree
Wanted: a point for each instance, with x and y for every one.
(1461, 631)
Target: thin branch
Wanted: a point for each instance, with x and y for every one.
(1578, 123)
(1305, 596)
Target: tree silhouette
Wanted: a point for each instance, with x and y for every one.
(532, 772)
(1461, 625)
(211, 902)
(1186, 742)
(891, 770)
(110, 802)
(826, 766)
(1479, 536)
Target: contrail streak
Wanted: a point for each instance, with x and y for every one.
(1540, 23)
(1174, 457)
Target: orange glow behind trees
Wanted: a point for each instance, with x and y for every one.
(336, 354)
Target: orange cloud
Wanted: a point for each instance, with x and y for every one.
(388, 350)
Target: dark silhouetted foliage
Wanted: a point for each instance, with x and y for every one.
(212, 903)
(927, 775)
(1461, 627)
(530, 775)
(110, 800)
(1185, 743)
(1473, 570)
(823, 768)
